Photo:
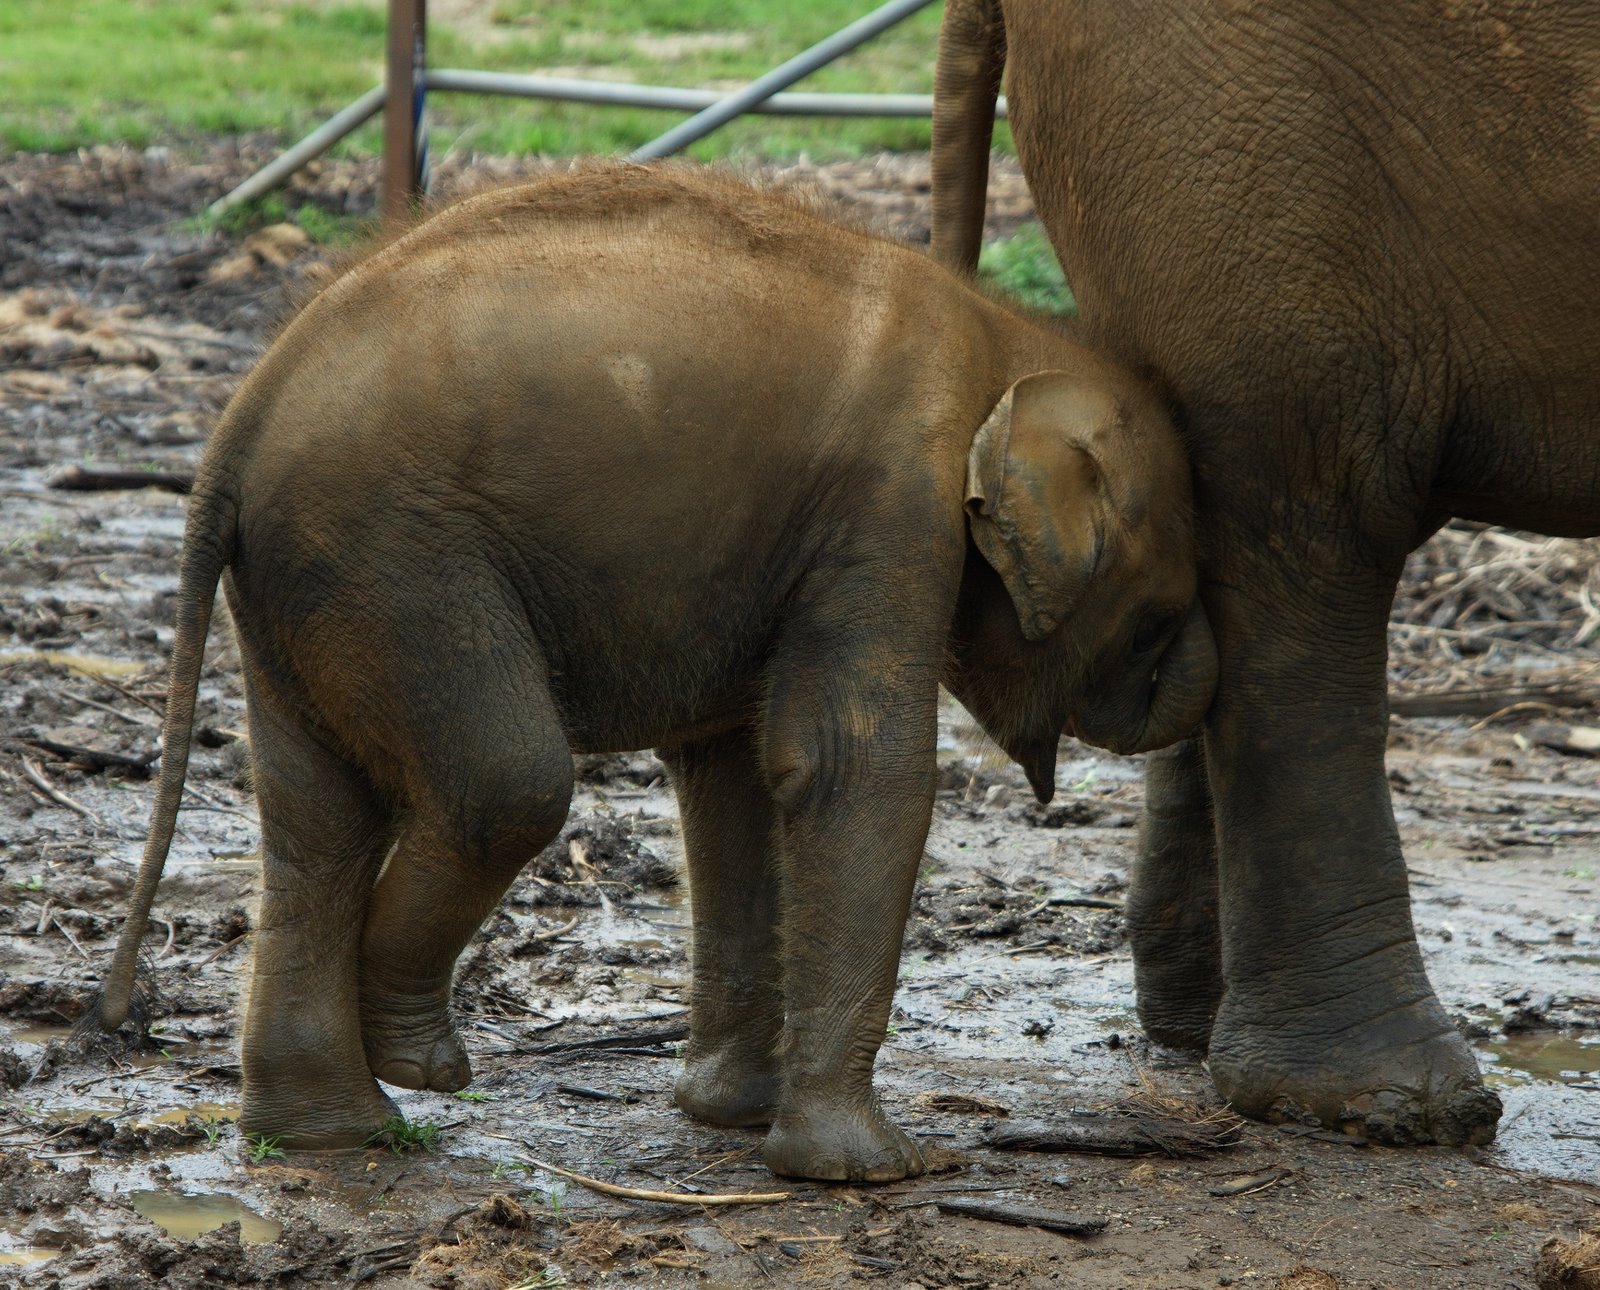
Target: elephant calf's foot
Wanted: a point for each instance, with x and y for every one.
(724, 1087)
(413, 1044)
(1406, 1079)
(1177, 997)
(840, 1143)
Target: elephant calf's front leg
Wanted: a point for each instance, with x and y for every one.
(852, 835)
(1172, 902)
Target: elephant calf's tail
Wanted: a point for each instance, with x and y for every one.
(208, 546)
(966, 84)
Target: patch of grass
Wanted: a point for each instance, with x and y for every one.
(320, 225)
(261, 1148)
(1024, 265)
(148, 71)
(400, 1135)
(145, 70)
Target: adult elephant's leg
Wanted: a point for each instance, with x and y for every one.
(731, 1068)
(1327, 1011)
(1172, 902)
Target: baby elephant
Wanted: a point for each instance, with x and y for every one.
(643, 458)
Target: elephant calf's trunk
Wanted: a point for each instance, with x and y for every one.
(1186, 681)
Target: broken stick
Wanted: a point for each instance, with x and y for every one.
(88, 479)
(664, 1197)
(1023, 1216)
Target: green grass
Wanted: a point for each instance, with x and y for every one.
(400, 1135)
(1024, 265)
(320, 225)
(155, 71)
(261, 1148)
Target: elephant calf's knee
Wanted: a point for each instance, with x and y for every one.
(515, 813)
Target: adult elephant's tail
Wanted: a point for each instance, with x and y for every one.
(208, 546)
(966, 83)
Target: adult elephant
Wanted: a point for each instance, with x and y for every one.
(1359, 243)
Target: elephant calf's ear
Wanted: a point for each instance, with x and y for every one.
(1033, 497)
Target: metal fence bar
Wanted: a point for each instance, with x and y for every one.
(313, 145)
(673, 99)
(781, 77)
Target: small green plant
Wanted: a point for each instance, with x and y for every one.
(465, 1095)
(1579, 871)
(320, 225)
(262, 1148)
(35, 883)
(557, 1198)
(246, 217)
(328, 229)
(1025, 266)
(399, 1135)
(212, 1128)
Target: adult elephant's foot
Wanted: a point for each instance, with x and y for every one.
(840, 1143)
(411, 1042)
(316, 1114)
(729, 1087)
(1406, 1078)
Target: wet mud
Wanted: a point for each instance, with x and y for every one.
(121, 334)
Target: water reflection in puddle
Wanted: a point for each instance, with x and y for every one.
(83, 1114)
(24, 1256)
(179, 1115)
(89, 664)
(1519, 1059)
(36, 1035)
(187, 1216)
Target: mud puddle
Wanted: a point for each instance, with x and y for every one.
(186, 1215)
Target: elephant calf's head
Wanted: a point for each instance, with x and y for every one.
(1081, 614)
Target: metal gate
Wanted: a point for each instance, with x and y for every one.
(403, 96)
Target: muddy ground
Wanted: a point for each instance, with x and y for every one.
(122, 332)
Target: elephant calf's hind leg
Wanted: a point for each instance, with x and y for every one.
(731, 1073)
(306, 1083)
(490, 782)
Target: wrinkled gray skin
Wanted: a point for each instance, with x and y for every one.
(1357, 243)
(642, 458)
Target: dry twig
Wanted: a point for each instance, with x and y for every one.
(665, 1197)
(41, 781)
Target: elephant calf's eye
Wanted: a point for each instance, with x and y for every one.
(1154, 629)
